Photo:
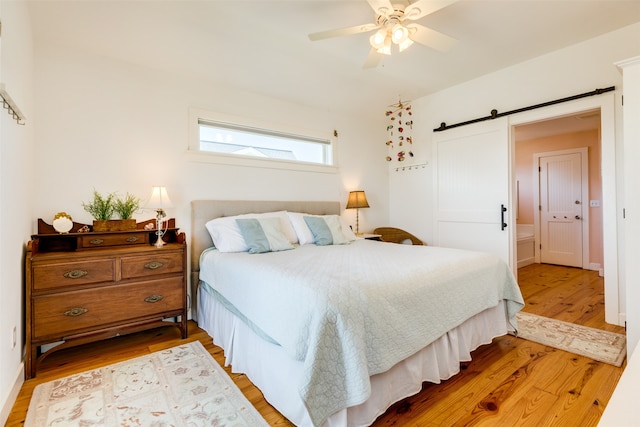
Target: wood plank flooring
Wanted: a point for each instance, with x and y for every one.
(510, 382)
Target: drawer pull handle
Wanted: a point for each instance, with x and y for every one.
(96, 241)
(75, 274)
(154, 298)
(74, 312)
(132, 239)
(153, 265)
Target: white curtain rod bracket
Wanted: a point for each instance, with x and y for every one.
(11, 106)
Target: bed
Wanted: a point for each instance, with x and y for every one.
(335, 333)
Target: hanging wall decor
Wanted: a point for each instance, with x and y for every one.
(400, 131)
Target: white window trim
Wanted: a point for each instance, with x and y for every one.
(195, 155)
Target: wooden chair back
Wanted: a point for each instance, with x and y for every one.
(396, 235)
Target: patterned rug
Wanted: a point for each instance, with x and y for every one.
(603, 346)
(180, 386)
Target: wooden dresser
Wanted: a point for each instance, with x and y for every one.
(84, 287)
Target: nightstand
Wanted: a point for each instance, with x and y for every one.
(85, 287)
(368, 236)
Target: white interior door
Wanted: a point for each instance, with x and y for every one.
(472, 186)
(562, 214)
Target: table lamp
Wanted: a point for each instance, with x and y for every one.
(357, 199)
(159, 201)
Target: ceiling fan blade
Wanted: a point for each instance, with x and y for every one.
(381, 7)
(373, 59)
(431, 38)
(342, 32)
(425, 7)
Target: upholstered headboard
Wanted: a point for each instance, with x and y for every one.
(204, 210)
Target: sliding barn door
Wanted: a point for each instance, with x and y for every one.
(472, 188)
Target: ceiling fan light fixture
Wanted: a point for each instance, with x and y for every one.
(405, 44)
(399, 34)
(392, 26)
(386, 47)
(378, 39)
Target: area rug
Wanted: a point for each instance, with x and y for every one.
(180, 386)
(603, 346)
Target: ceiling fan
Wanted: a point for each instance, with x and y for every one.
(393, 29)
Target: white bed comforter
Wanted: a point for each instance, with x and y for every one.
(352, 311)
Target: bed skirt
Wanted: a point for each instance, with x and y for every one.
(276, 374)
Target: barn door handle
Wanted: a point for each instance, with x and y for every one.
(503, 209)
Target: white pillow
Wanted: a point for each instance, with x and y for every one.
(226, 235)
(305, 236)
(346, 230)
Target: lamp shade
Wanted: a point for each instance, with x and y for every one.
(159, 198)
(377, 39)
(399, 34)
(357, 199)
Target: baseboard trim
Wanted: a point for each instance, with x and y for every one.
(525, 262)
(7, 405)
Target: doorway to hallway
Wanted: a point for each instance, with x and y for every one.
(557, 168)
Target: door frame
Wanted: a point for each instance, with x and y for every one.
(614, 302)
(584, 164)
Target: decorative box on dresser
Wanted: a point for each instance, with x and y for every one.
(85, 287)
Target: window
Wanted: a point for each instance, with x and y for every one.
(236, 141)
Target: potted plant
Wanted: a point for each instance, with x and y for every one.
(125, 207)
(103, 207)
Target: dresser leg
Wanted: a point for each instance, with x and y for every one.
(31, 361)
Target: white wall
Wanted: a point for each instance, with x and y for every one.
(17, 177)
(566, 72)
(114, 126)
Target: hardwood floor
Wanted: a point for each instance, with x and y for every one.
(509, 382)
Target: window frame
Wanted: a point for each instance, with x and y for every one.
(195, 154)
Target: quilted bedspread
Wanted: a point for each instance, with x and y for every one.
(352, 311)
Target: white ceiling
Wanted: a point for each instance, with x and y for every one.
(263, 46)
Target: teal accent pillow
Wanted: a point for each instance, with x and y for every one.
(263, 235)
(321, 233)
(326, 230)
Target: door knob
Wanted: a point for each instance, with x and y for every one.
(578, 217)
(577, 202)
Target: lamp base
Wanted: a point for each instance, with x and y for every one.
(159, 233)
(159, 243)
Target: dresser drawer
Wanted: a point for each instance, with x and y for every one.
(116, 239)
(66, 313)
(56, 275)
(147, 265)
